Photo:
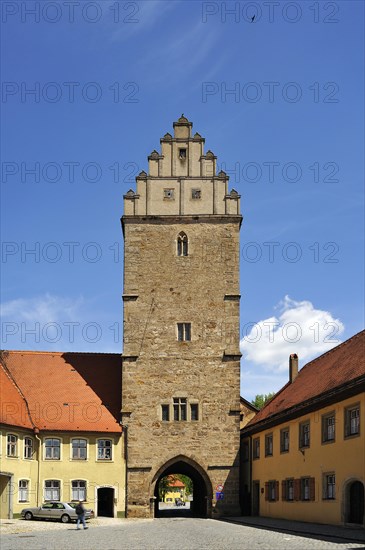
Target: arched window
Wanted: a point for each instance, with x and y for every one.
(182, 244)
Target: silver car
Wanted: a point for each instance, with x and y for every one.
(64, 511)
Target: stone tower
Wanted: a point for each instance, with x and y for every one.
(181, 359)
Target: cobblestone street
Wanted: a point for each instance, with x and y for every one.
(174, 533)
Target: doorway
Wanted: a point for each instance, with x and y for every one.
(255, 498)
(106, 502)
(355, 500)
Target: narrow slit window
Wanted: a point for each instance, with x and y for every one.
(165, 413)
(194, 411)
(184, 332)
(182, 154)
(182, 244)
(179, 408)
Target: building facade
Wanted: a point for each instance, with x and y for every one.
(303, 454)
(181, 359)
(60, 436)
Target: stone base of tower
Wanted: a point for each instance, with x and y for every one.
(215, 493)
(141, 512)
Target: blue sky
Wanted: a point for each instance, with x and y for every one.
(279, 101)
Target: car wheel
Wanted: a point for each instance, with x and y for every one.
(28, 515)
(65, 518)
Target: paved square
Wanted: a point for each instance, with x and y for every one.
(160, 534)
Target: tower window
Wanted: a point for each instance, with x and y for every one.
(182, 244)
(169, 194)
(182, 154)
(196, 194)
(179, 408)
(194, 411)
(184, 332)
(165, 413)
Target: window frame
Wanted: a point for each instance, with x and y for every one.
(194, 406)
(52, 447)
(269, 444)
(165, 407)
(78, 458)
(183, 153)
(169, 194)
(26, 448)
(283, 439)
(288, 489)
(180, 409)
(182, 245)
(104, 448)
(52, 488)
(22, 489)
(196, 193)
(79, 490)
(184, 332)
(348, 433)
(256, 448)
(12, 446)
(272, 490)
(329, 489)
(307, 489)
(325, 427)
(304, 434)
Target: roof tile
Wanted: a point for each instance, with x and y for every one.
(68, 391)
(328, 372)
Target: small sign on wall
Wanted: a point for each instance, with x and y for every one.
(219, 496)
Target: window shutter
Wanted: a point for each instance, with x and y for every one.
(267, 490)
(276, 490)
(283, 490)
(296, 489)
(312, 490)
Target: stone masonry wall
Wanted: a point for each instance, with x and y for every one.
(162, 289)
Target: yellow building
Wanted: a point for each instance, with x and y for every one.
(303, 454)
(247, 412)
(176, 489)
(60, 433)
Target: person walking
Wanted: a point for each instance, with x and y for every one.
(80, 511)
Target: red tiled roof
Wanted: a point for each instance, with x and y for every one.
(13, 410)
(68, 391)
(173, 482)
(330, 371)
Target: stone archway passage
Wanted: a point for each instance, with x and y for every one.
(356, 503)
(198, 507)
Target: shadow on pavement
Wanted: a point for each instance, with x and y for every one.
(328, 533)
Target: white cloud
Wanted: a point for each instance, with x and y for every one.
(42, 309)
(299, 328)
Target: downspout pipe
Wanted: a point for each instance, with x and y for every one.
(36, 432)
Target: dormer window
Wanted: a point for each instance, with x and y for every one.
(182, 244)
(182, 154)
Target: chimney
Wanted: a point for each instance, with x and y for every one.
(293, 367)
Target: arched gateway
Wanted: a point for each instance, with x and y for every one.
(181, 358)
(200, 506)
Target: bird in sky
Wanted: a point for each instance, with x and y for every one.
(253, 18)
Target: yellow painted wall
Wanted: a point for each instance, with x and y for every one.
(175, 493)
(95, 472)
(19, 468)
(345, 457)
